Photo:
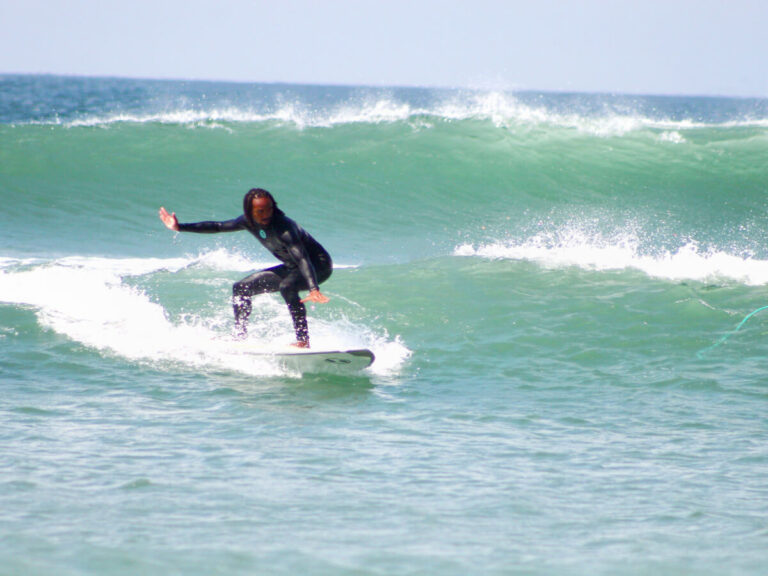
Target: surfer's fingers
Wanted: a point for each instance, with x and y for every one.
(318, 298)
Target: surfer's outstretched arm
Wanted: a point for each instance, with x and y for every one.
(170, 220)
(172, 223)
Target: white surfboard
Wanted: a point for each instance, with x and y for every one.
(334, 361)
(311, 360)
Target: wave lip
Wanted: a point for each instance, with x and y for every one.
(688, 262)
(308, 107)
(504, 111)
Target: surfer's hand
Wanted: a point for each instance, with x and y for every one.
(170, 220)
(316, 296)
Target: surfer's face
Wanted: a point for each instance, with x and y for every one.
(261, 211)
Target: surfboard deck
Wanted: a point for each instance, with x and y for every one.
(315, 361)
(336, 361)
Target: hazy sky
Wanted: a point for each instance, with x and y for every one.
(632, 46)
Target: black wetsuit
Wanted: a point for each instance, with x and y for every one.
(305, 265)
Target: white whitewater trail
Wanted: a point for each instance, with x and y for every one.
(87, 300)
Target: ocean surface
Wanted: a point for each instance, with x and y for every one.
(554, 286)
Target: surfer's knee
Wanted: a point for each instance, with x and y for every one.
(324, 269)
(240, 290)
(324, 274)
(241, 301)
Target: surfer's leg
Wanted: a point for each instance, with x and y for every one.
(289, 289)
(260, 282)
(299, 316)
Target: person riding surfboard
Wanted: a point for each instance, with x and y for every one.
(305, 263)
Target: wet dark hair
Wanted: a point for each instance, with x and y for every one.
(254, 193)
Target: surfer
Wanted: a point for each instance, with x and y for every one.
(305, 263)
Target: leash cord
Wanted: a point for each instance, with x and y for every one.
(722, 340)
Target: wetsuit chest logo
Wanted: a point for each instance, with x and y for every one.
(263, 233)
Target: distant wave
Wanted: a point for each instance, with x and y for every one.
(502, 109)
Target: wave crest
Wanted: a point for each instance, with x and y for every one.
(688, 262)
(594, 116)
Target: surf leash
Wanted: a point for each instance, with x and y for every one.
(700, 353)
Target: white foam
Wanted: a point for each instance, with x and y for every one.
(370, 111)
(504, 109)
(672, 136)
(87, 300)
(577, 249)
(345, 335)
(182, 116)
(507, 110)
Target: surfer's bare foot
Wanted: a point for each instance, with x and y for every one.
(300, 344)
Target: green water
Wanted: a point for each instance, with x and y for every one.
(541, 278)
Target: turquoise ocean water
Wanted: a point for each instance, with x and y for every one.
(550, 282)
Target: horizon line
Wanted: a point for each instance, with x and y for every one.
(649, 94)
